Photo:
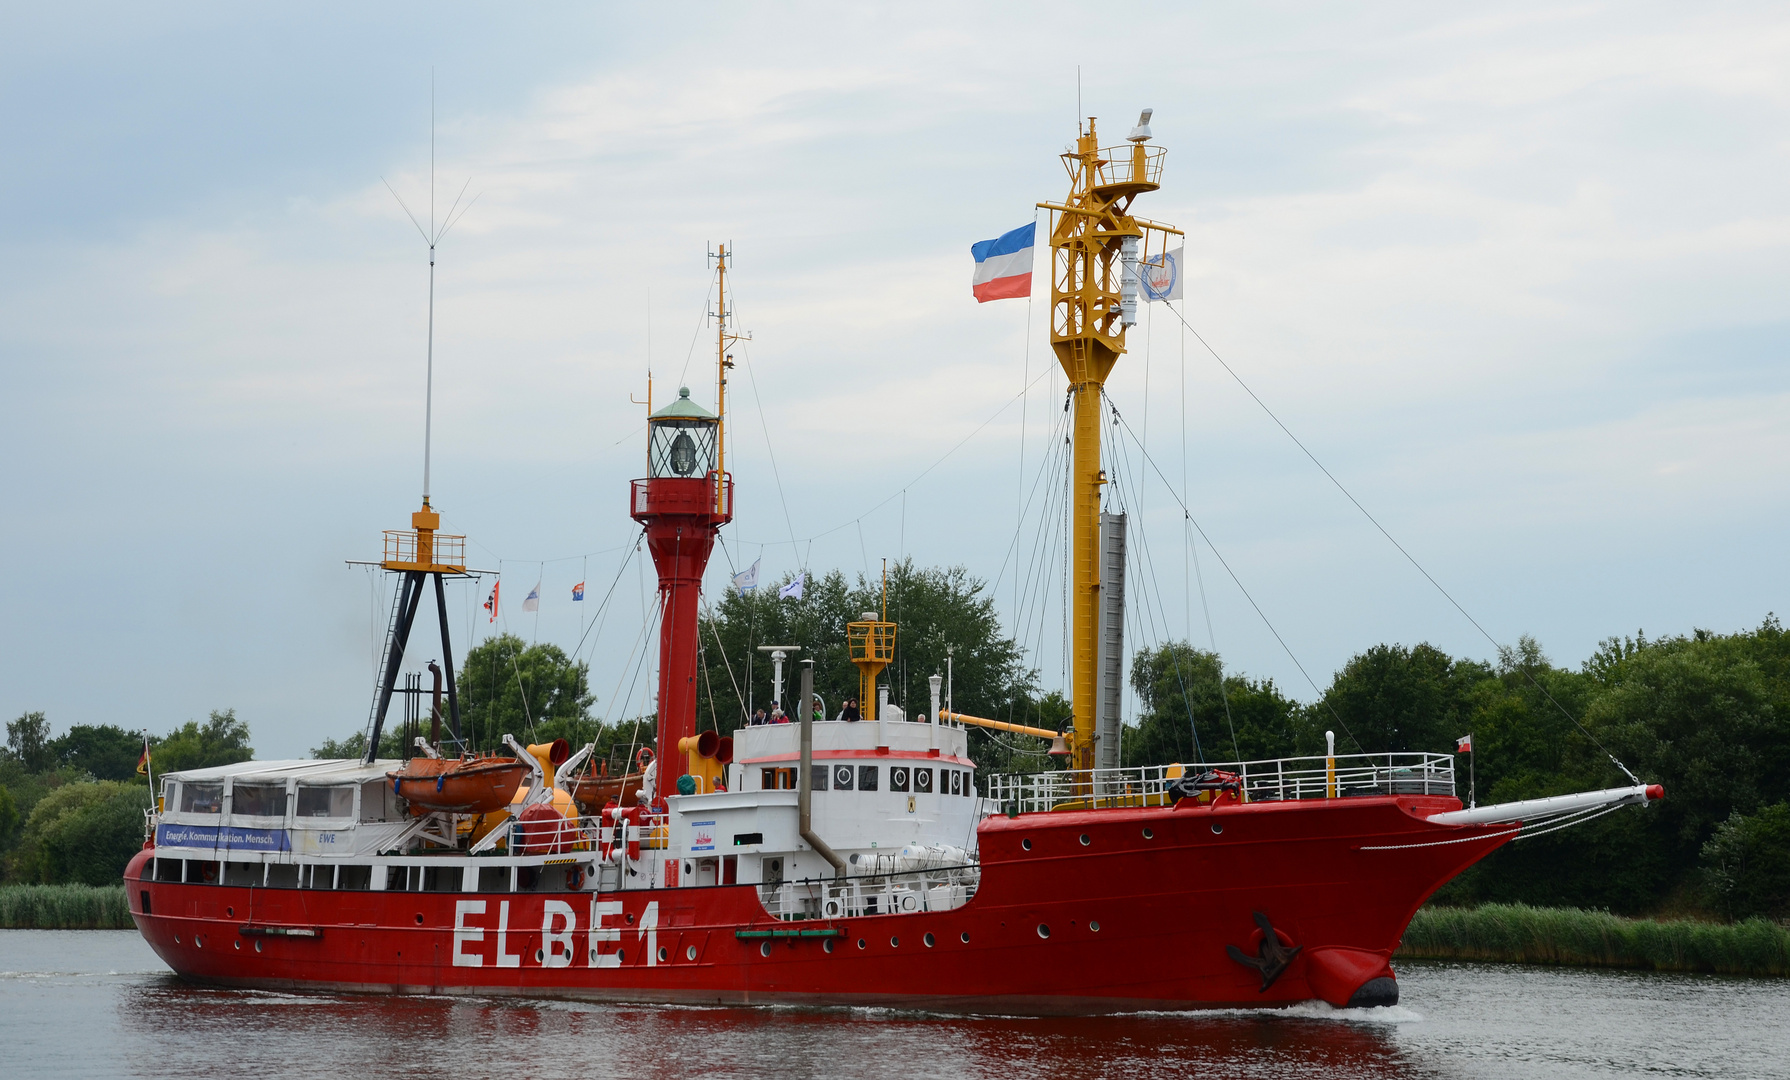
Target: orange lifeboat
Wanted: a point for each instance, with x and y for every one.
(594, 792)
(476, 785)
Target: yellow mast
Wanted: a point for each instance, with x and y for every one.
(1094, 244)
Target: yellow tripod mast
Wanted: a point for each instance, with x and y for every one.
(1095, 242)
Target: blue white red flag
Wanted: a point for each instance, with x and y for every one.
(747, 580)
(578, 591)
(1004, 265)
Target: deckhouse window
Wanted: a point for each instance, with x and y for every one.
(842, 777)
(898, 777)
(258, 800)
(923, 781)
(330, 802)
(867, 778)
(201, 798)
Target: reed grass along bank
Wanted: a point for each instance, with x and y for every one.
(64, 907)
(1520, 934)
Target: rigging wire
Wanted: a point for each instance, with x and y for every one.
(1222, 561)
(1394, 542)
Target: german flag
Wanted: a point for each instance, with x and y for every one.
(143, 759)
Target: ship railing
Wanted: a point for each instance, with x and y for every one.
(1270, 780)
(934, 889)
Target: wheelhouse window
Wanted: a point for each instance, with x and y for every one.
(326, 802)
(201, 798)
(258, 800)
(777, 779)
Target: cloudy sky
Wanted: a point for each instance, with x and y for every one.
(1516, 274)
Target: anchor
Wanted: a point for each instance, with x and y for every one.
(1271, 959)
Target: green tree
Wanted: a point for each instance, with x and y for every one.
(391, 745)
(103, 751)
(1747, 864)
(9, 820)
(83, 832)
(939, 611)
(534, 692)
(28, 742)
(221, 740)
(1394, 698)
(1184, 695)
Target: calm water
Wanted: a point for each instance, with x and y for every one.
(101, 1004)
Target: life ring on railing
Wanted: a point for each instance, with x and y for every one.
(574, 877)
(642, 758)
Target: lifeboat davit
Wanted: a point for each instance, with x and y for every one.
(477, 785)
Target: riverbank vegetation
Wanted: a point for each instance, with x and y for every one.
(1520, 934)
(64, 907)
(71, 807)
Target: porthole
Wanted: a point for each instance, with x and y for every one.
(1084, 840)
(965, 936)
(1026, 843)
(861, 944)
(541, 957)
(1217, 827)
(257, 946)
(687, 870)
(630, 918)
(894, 943)
(419, 918)
(229, 913)
(621, 956)
(764, 948)
(1149, 834)
(664, 954)
(593, 958)
(929, 940)
(1094, 926)
(1043, 930)
(826, 945)
(690, 953)
(176, 939)
(236, 944)
(198, 942)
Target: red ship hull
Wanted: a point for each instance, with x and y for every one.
(1077, 912)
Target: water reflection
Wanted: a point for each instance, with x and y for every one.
(100, 1004)
(180, 1028)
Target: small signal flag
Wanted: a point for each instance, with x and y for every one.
(578, 591)
(491, 601)
(1464, 744)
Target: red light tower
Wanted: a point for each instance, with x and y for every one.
(685, 499)
(683, 503)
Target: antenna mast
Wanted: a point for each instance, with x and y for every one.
(723, 362)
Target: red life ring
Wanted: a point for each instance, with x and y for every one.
(641, 758)
(574, 877)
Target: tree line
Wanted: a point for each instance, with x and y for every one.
(71, 806)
